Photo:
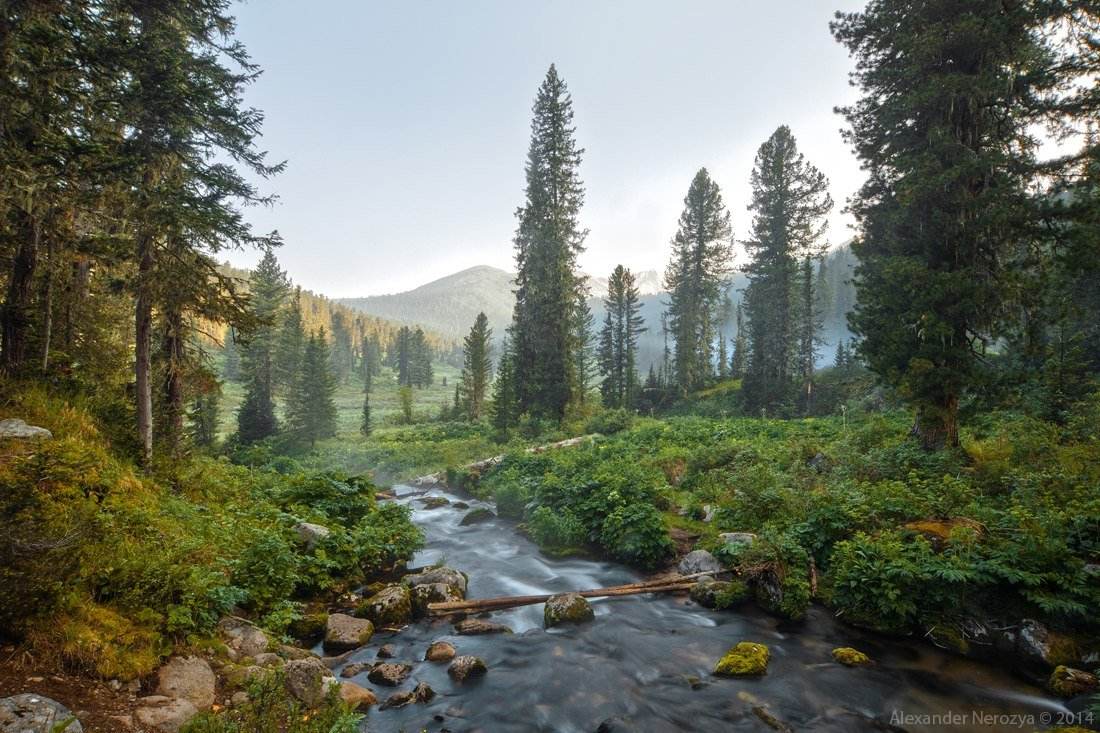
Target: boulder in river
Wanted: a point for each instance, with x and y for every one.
(35, 713)
(478, 514)
(440, 651)
(421, 694)
(1066, 682)
(449, 576)
(422, 595)
(477, 627)
(567, 608)
(16, 428)
(391, 606)
(387, 651)
(310, 626)
(747, 659)
(388, 674)
(188, 678)
(344, 633)
(355, 668)
(356, 695)
(720, 594)
(699, 561)
(850, 657)
(434, 502)
(463, 668)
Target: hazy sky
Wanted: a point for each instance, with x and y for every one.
(405, 123)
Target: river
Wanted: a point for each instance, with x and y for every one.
(633, 668)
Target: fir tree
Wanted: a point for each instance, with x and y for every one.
(696, 279)
(289, 344)
(505, 405)
(232, 356)
(619, 339)
(341, 358)
(737, 361)
(548, 241)
(403, 356)
(471, 393)
(790, 200)
(421, 372)
(583, 352)
(365, 425)
(256, 416)
(311, 407)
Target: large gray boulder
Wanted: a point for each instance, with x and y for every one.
(738, 538)
(244, 637)
(567, 608)
(391, 606)
(449, 576)
(29, 713)
(422, 595)
(163, 714)
(188, 678)
(463, 668)
(344, 633)
(308, 680)
(390, 675)
(478, 627)
(311, 534)
(699, 561)
(15, 428)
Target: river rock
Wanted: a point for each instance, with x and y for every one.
(850, 657)
(294, 652)
(311, 534)
(463, 668)
(737, 538)
(344, 633)
(719, 594)
(307, 680)
(163, 714)
(422, 595)
(699, 561)
(434, 502)
(477, 627)
(1066, 682)
(15, 428)
(440, 651)
(268, 659)
(449, 576)
(421, 694)
(244, 637)
(391, 606)
(388, 674)
(355, 668)
(29, 713)
(188, 678)
(747, 659)
(567, 608)
(356, 696)
(387, 651)
(479, 514)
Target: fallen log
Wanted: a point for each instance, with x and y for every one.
(499, 604)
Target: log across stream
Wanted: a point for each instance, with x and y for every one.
(645, 662)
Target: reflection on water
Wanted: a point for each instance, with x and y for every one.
(646, 660)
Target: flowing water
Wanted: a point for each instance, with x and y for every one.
(634, 666)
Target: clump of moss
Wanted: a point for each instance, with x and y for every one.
(949, 637)
(1066, 682)
(850, 657)
(567, 608)
(309, 626)
(747, 659)
(720, 594)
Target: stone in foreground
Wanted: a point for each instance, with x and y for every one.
(1066, 682)
(356, 696)
(421, 694)
(699, 561)
(477, 627)
(391, 606)
(35, 713)
(850, 657)
(188, 678)
(344, 633)
(567, 608)
(448, 576)
(747, 659)
(466, 667)
(15, 428)
(163, 714)
(390, 675)
(440, 651)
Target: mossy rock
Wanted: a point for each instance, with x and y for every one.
(950, 638)
(391, 606)
(478, 514)
(310, 626)
(434, 502)
(422, 595)
(720, 594)
(747, 659)
(567, 608)
(850, 657)
(1066, 682)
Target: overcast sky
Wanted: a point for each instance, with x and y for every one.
(405, 124)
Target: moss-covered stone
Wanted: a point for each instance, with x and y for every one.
(567, 608)
(478, 514)
(850, 657)
(747, 659)
(422, 595)
(309, 626)
(1066, 682)
(391, 606)
(720, 594)
(949, 637)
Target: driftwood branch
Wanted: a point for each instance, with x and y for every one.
(679, 582)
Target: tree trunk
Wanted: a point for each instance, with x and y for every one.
(15, 313)
(143, 342)
(938, 428)
(173, 350)
(47, 306)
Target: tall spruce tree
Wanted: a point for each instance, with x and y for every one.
(548, 240)
(341, 350)
(619, 339)
(311, 405)
(505, 404)
(584, 353)
(471, 393)
(696, 279)
(403, 356)
(952, 92)
(256, 415)
(290, 339)
(366, 425)
(740, 346)
(421, 357)
(790, 200)
(809, 333)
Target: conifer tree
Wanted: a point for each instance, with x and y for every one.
(232, 354)
(311, 405)
(584, 354)
(403, 356)
(421, 372)
(548, 240)
(290, 340)
(366, 427)
(471, 393)
(790, 200)
(696, 279)
(619, 339)
(737, 361)
(505, 404)
(341, 345)
(256, 416)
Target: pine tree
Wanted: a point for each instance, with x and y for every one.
(944, 130)
(341, 358)
(421, 372)
(204, 418)
(365, 425)
(505, 404)
(809, 333)
(256, 416)
(290, 341)
(696, 279)
(232, 365)
(471, 393)
(403, 356)
(311, 405)
(548, 241)
(583, 352)
(738, 360)
(619, 339)
(790, 200)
